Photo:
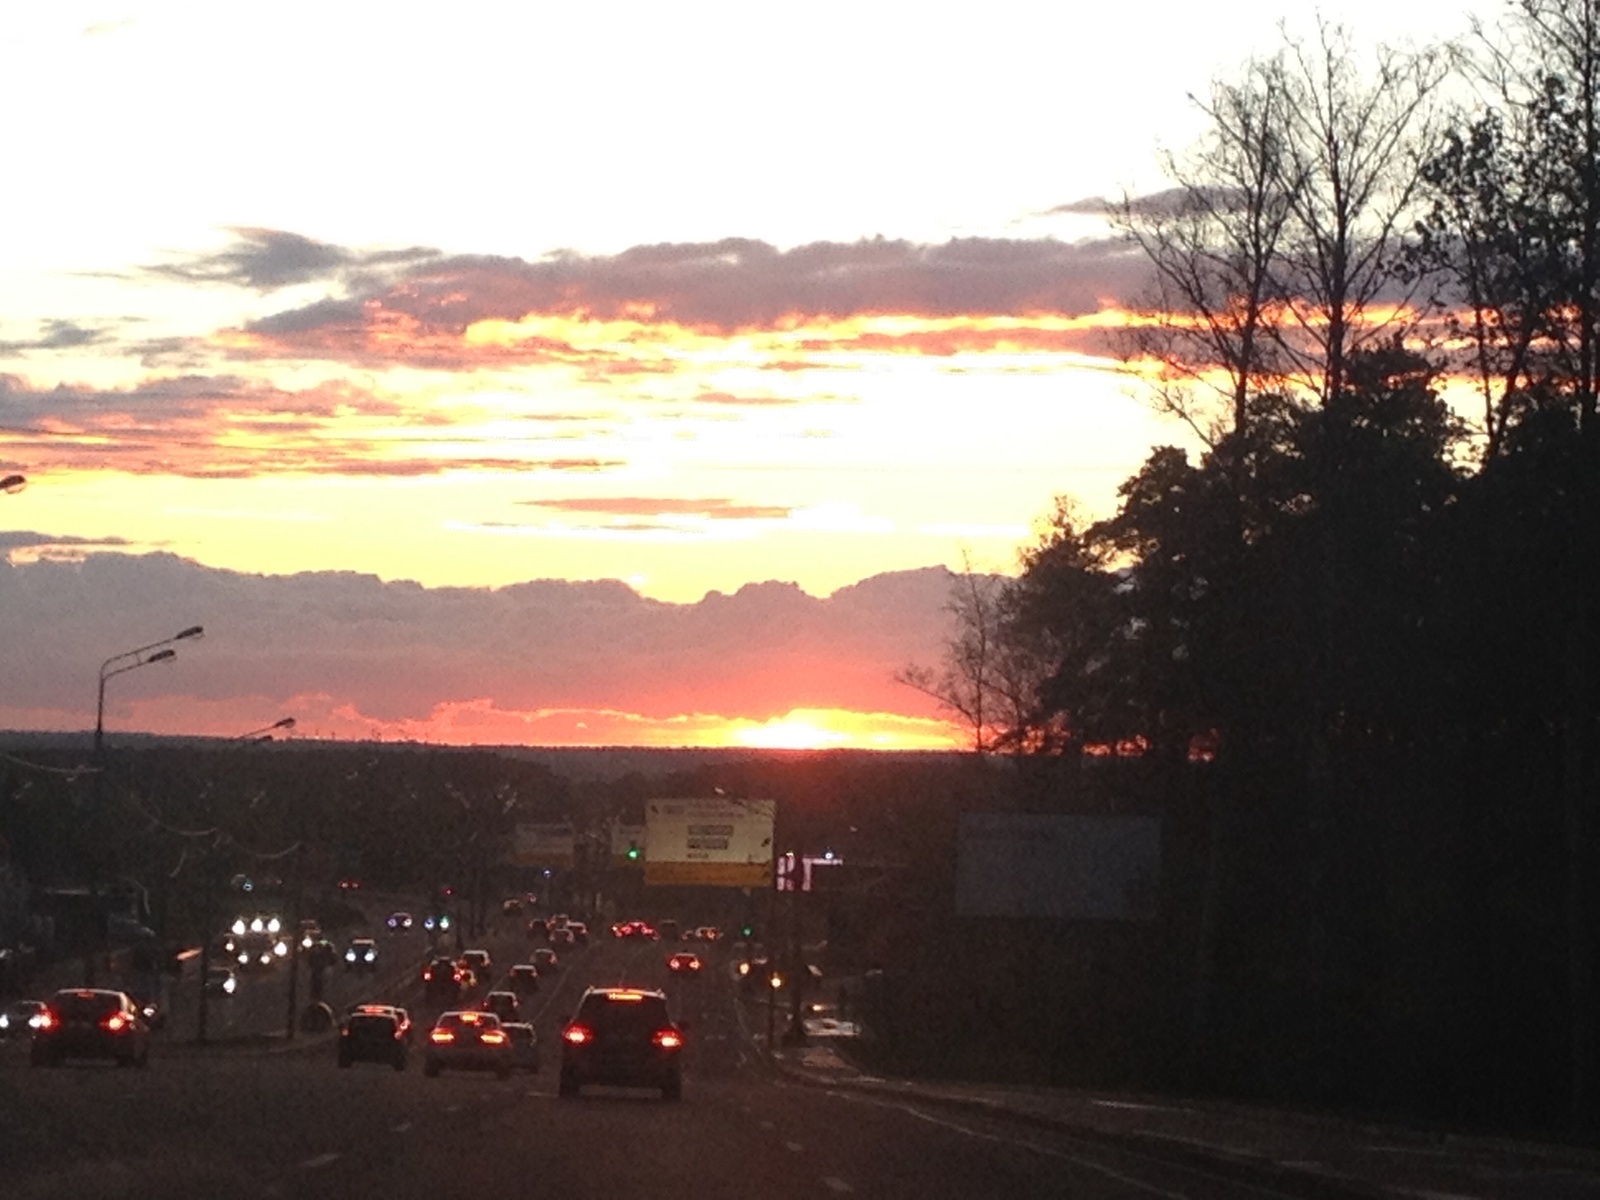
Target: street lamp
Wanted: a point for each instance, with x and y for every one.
(131, 660)
(264, 734)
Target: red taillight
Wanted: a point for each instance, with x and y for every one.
(492, 1037)
(442, 1035)
(116, 1022)
(694, 964)
(45, 1020)
(577, 1035)
(667, 1039)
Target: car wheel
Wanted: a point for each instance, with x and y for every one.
(431, 1070)
(569, 1085)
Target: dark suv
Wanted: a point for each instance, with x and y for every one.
(624, 1037)
(374, 1033)
(90, 1023)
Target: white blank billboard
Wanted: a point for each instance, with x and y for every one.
(1063, 867)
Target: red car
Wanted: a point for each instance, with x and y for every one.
(685, 962)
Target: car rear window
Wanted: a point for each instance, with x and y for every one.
(372, 1023)
(482, 1020)
(608, 1012)
(78, 1006)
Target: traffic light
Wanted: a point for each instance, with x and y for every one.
(633, 852)
(747, 930)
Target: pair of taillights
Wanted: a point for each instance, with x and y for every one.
(489, 1037)
(581, 1035)
(115, 1023)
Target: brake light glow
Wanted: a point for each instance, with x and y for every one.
(667, 1039)
(626, 997)
(492, 1037)
(441, 1036)
(577, 1034)
(116, 1022)
(45, 1020)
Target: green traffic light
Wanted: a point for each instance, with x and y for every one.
(633, 853)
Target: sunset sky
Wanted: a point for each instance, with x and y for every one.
(690, 297)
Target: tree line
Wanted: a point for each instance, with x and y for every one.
(1358, 628)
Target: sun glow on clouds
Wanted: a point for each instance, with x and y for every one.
(482, 722)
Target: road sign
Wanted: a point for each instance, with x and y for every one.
(711, 843)
(542, 846)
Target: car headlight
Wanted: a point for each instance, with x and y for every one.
(372, 956)
(238, 926)
(349, 956)
(257, 925)
(230, 985)
(280, 949)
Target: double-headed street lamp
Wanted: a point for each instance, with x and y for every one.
(264, 734)
(130, 660)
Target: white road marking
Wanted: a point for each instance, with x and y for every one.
(321, 1160)
(835, 1184)
(794, 1147)
(768, 1125)
(402, 1127)
(1087, 1164)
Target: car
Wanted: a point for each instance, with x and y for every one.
(622, 1037)
(579, 932)
(441, 979)
(20, 1018)
(221, 981)
(399, 922)
(310, 932)
(436, 922)
(374, 1033)
(502, 1004)
(545, 959)
(537, 930)
(90, 1023)
(524, 1045)
(562, 935)
(511, 906)
(479, 961)
(468, 1041)
(361, 955)
(685, 963)
(523, 978)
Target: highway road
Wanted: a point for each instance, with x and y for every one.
(235, 1122)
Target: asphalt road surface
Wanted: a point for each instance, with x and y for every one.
(237, 1124)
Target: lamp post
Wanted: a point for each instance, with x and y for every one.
(130, 660)
(264, 734)
(119, 664)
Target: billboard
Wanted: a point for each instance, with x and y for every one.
(710, 843)
(542, 846)
(1062, 867)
